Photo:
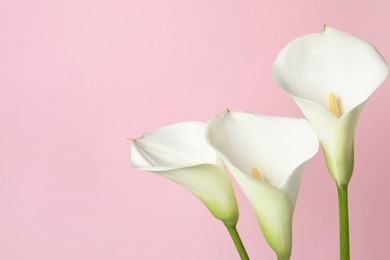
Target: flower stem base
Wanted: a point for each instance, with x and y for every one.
(237, 242)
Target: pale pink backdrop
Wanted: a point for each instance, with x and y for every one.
(79, 77)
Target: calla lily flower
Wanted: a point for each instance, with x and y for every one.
(266, 155)
(331, 75)
(180, 152)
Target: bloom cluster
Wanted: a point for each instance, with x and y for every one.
(330, 75)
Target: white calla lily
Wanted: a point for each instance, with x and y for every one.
(181, 153)
(266, 155)
(331, 75)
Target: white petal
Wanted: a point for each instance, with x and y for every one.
(292, 183)
(314, 65)
(321, 119)
(275, 146)
(172, 147)
(180, 152)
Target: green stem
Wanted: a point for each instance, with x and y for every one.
(237, 242)
(344, 223)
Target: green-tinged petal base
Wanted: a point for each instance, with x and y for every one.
(273, 210)
(212, 186)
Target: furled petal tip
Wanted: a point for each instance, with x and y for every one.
(181, 153)
(266, 155)
(331, 75)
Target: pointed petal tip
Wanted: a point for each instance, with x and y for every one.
(134, 139)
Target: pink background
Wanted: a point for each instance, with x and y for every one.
(79, 77)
